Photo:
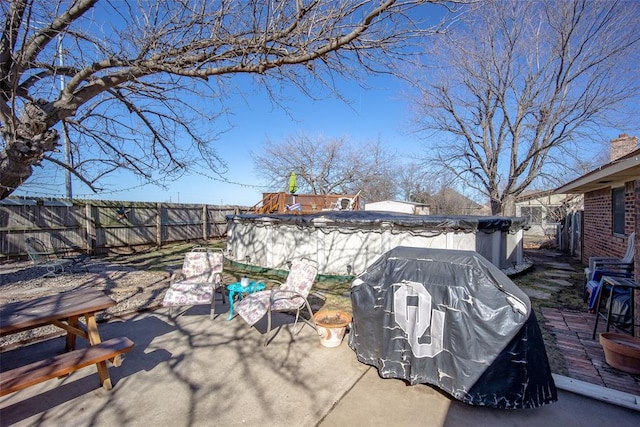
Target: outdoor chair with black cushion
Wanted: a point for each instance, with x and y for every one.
(594, 286)
(288, 297)
(624, 264)
(197, 281)
(621, 308)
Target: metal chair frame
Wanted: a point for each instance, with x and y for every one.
(217, 282)
(287, 294)
(41, 257)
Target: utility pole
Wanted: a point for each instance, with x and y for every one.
(65, 136)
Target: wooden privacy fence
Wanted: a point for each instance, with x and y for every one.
(569, 234)
(96, 226)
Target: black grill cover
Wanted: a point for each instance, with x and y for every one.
(451, 319)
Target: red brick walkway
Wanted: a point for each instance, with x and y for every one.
(584, 357)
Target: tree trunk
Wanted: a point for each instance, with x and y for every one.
(496, 206)
(508, 205)
(19, 157)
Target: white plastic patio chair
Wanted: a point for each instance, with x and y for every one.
(624, 264)
(198, 280)
(290, 296)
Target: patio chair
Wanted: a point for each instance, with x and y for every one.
(63, 250)
(288, 297)
(624, 264)
(42, 257)
(343, 204)
(594, 286)
(198, 280)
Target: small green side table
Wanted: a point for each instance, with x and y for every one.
(237, 288)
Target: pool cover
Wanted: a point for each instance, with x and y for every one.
(434, 222)
(451, 319)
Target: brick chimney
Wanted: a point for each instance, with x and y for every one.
(622, 145)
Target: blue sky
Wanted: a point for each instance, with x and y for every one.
(378, 112)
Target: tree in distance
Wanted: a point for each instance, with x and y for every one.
(329, 166)
(518, 87)
(138, 85)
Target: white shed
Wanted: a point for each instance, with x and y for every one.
(398, 206)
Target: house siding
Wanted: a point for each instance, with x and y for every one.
(598, 223)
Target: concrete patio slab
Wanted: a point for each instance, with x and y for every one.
(198, 372)
(390, 402)
(557, 274)
(191, 372)
(561, 282)
(547, 287)
(536, 293)
(561, 266)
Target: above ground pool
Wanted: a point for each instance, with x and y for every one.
(346, 242)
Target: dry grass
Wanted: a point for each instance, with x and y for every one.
(566, 298)
(327, 293)
(137, 281)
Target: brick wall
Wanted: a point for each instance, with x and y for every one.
(622, 145)
(637, 259)
(599, 239)
(598, 236)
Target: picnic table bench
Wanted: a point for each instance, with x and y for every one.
(62, 310)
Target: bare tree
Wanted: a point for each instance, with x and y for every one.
(436, 189)
(412, 182)
(378, 179)
(558, 213)
(329, 166)
(520, 85)
(417, 183)
(140, 78)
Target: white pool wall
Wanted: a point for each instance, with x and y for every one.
(344, 247)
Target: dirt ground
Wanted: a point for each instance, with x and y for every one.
(137, 281)
(132, 289)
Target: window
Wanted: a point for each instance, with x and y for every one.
(617, 204)
(532, 213)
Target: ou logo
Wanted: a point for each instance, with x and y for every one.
(415, 319)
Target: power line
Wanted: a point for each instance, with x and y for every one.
(24, 188)
(226, 181)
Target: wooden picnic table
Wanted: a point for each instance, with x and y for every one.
(56, 309)
(62, 310)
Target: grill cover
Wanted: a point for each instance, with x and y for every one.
(451, 319)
